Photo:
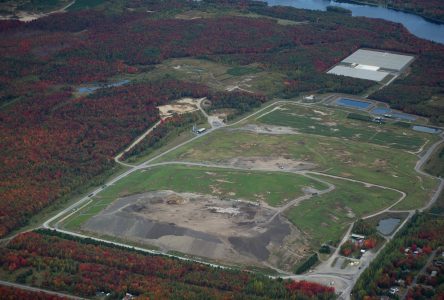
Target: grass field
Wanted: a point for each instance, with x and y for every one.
(217, 76)
(325, 218)
(32, 6)
(85, 4)
(240, 71)
(215, 13)
(275, 188)
(352, 159)
(334, 123)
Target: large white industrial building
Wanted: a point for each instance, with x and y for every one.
(372, 65)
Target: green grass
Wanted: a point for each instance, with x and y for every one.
(85, 4)
(212, 74)
(275, 188)
(42, 5)
(240, 71)
(272, 187)
(334, 123)
(352, 159)
(219, 76)
(324, 218)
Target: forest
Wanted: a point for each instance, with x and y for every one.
(240, 102)
(403, 258)
(51, 145)
(54, 142)
(85, 267)
(12, 293)
(167, 129)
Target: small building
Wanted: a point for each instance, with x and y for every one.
(128, 296)
(309, 98)
(393, 290)
(201, 130)
(401, 282)
(378, 119)
(438, 263)
(357, 237)
(434, 273)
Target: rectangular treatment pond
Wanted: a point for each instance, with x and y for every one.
(393, 114)
(425, 129)
(353, 103)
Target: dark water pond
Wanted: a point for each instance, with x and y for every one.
(415, 24)
(387, 226)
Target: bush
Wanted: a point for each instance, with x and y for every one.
(306, 265)
(325, 249)
(359, 117)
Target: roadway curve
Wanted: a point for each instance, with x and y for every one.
(38, 290)
(26, 16)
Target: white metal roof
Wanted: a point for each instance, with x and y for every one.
(358, 73)
(381, 59)
(367, 67)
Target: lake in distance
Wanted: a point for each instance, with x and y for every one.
(415, 24)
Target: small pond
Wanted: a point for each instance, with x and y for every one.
(425, 129)
(381, 111)
(403, 117)
(387, 226)
(90, 89)
(353, 103)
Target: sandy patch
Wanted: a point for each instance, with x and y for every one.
(181, 106)
(320, 112)
(380, 163)
(269, 163)
(267, 129)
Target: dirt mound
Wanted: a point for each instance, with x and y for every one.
(175, 199)
(203, 225)
(256, 245)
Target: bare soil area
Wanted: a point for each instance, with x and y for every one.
(269, 163)
(203, 225)
(267, 129)
(179, 107)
